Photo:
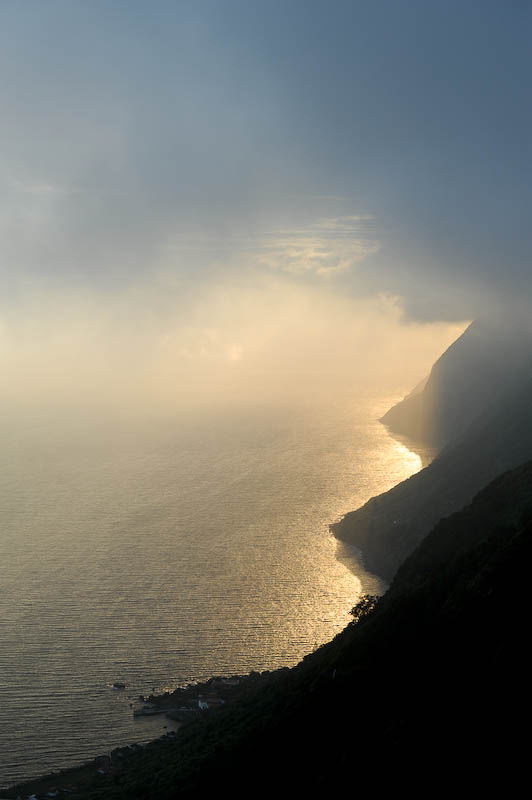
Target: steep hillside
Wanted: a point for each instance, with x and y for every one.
(427, 688)
(473, 373)
(390, 526)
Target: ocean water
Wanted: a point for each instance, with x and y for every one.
(159, 553)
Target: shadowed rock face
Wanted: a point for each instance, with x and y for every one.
(480, 394)
(487, 361)
(431, 685)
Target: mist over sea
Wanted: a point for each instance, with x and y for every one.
(159, 553)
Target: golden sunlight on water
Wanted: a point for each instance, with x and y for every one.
(411, 461)
(165, 554)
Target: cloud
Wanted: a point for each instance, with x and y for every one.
(383, 148)
(318, 249)
(144, 352)
(323, 248)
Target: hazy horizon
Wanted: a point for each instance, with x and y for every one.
(207, 203)
(234, 347)
(233, 235)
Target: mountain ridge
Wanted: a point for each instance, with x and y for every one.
(430, 684)
(425, 686)
(388, 527)
(473, 373)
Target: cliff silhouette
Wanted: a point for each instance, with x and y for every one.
(474, 373)
(484, 419)
(428, 686)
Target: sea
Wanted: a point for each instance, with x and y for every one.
(160, 552)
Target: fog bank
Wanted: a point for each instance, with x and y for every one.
(149, 350)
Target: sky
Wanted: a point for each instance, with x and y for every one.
(189, 183)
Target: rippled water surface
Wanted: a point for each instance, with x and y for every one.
(159, 554)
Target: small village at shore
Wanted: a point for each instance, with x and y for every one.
(183, 705)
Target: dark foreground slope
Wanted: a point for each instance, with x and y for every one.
(429, 688)
(390, 526)
(474, 372)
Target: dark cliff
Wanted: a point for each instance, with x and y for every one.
(480, 398)
(427, 689)
(389, 527)
(431, 686)
(473, 374)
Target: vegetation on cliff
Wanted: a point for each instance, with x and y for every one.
(426, 683)
(389, 527)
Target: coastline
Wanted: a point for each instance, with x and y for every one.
(342, 529)
(426, 451)
(181, 705)
(172, 705)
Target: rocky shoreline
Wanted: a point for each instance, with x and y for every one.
(195, 701)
